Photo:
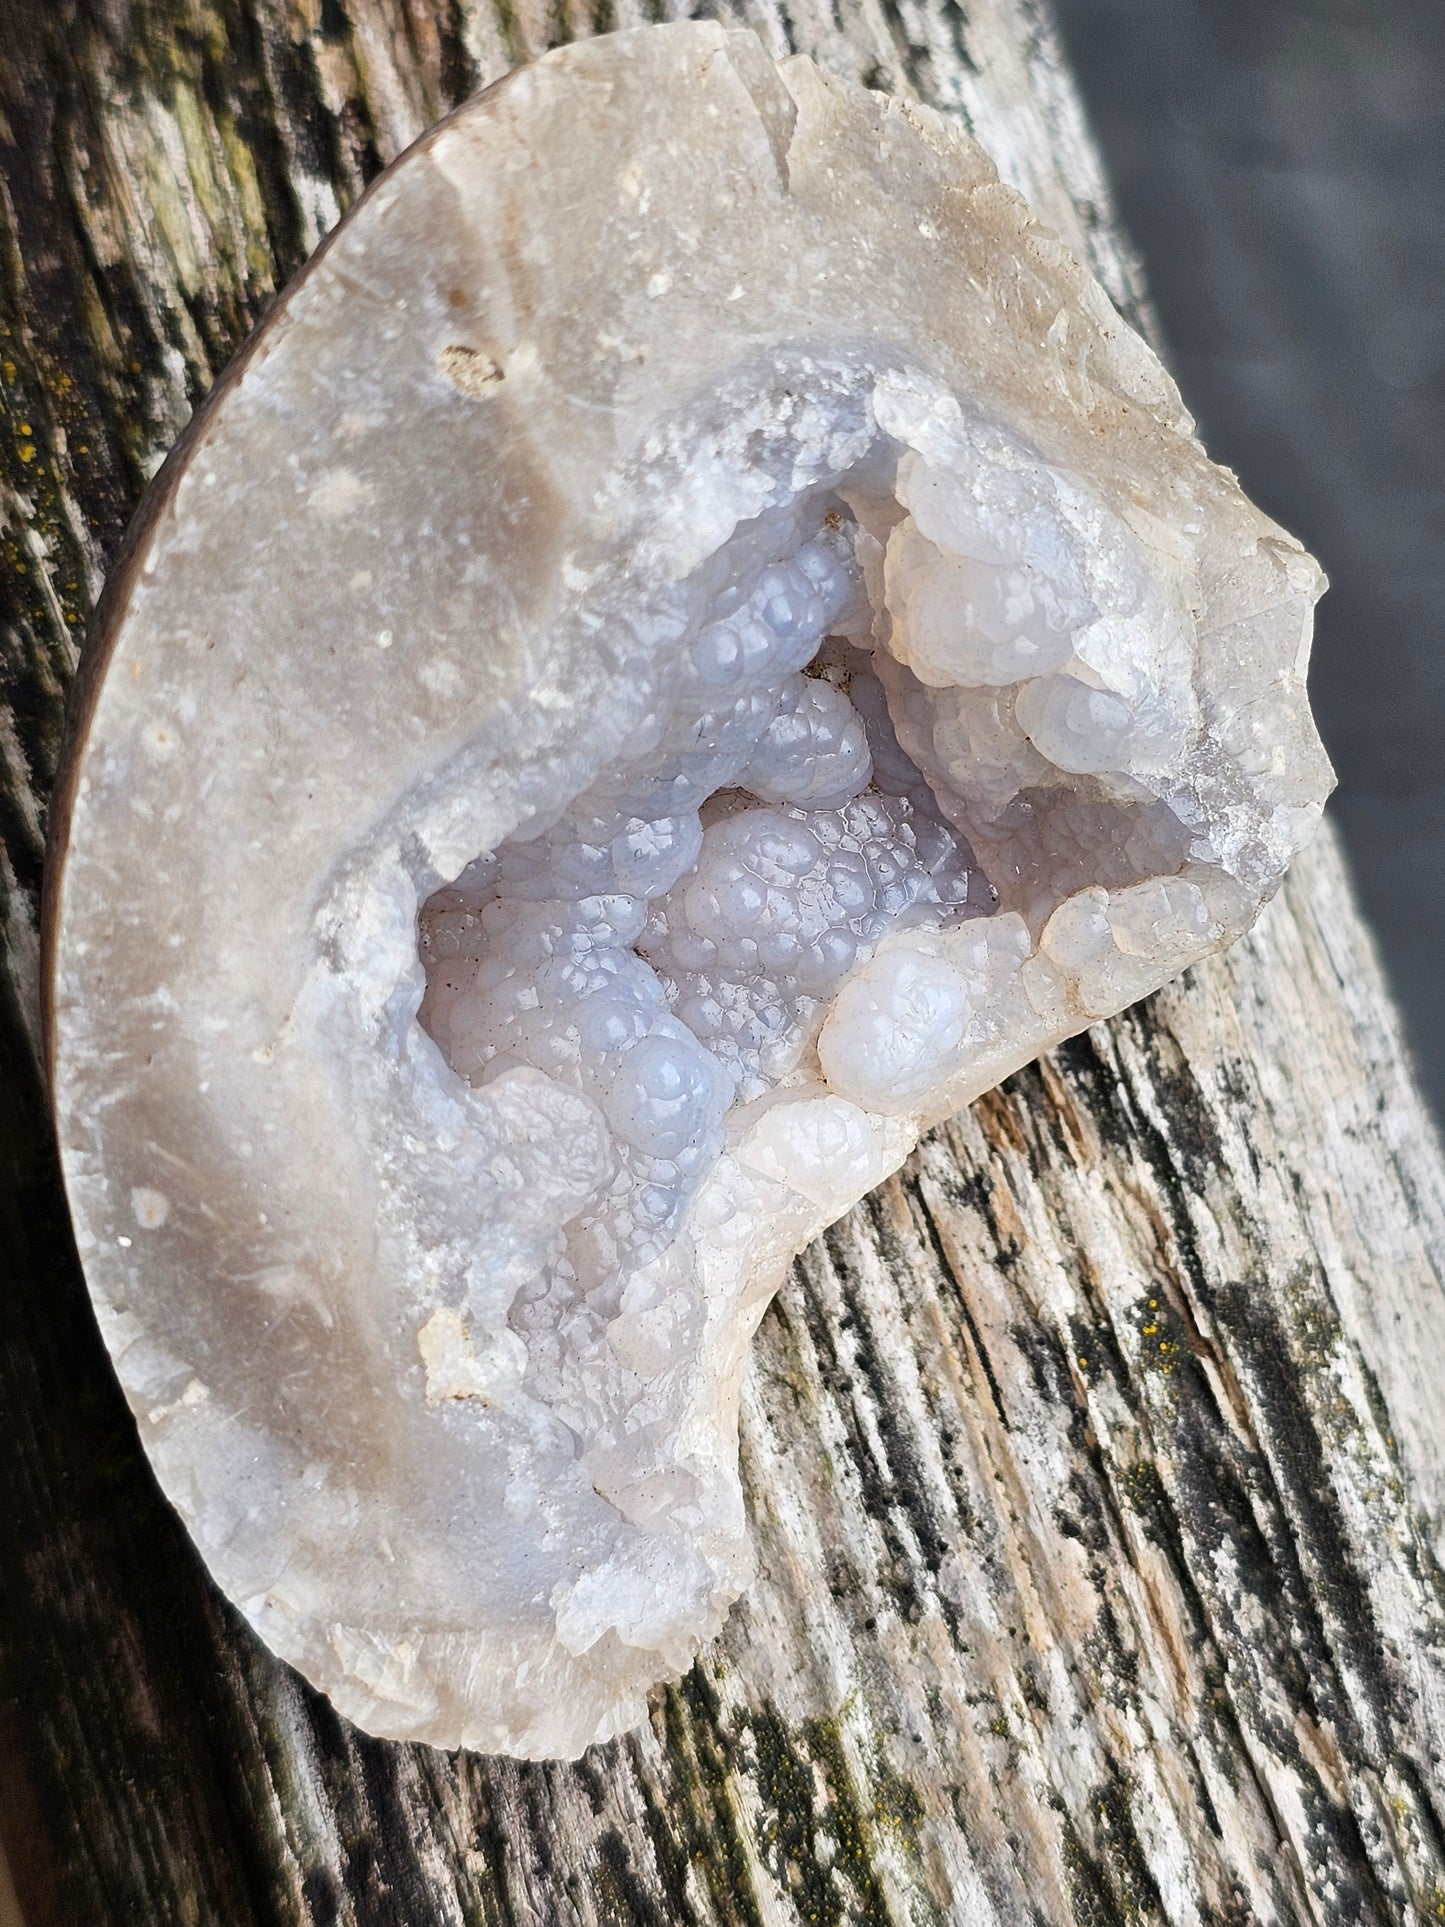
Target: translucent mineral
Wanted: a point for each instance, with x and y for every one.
(692, 643)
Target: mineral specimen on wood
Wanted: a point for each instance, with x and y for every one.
(691, 644)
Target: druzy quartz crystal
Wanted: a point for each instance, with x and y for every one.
(691, 643)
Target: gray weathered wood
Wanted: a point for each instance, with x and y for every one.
(1097, 1463)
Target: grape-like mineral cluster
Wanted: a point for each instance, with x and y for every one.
(648, 686)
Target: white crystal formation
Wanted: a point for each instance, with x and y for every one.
(692, 643)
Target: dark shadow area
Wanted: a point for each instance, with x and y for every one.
(1280, 165)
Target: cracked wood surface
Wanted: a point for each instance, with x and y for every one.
(1096, 1463)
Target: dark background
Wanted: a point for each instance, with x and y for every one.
(1281, 168)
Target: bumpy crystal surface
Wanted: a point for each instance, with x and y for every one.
(670, 944)
(639, 698)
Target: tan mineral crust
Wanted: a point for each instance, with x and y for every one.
(691, 644)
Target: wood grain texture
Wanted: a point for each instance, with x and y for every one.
(1097, 1463)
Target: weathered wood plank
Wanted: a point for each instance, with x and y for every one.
(1097, 1463)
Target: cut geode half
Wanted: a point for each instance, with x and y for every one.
(691, 644)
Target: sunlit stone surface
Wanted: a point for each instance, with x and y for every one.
(653, 681)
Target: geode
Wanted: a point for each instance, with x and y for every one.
(692, 643)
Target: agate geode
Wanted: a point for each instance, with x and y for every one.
(692, 643)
